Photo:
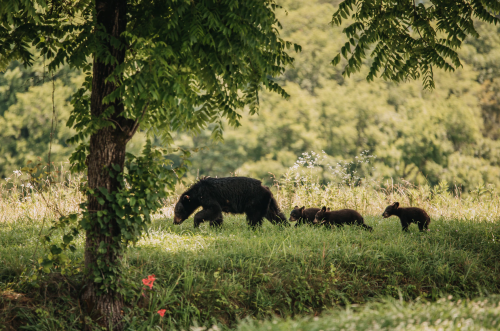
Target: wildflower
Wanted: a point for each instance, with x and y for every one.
(162, 312)
(149, 281)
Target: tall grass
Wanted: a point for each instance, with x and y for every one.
(23, 199)
(352, 187)
(301, 186)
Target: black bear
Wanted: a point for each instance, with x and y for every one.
(408, 215)
(235, 195)
(302, 215)
(340, 217)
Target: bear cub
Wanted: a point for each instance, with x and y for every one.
(340, 217)
(302, 215)
(408, 215)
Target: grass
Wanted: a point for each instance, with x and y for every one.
(445, 314)
(215, 278)
(220, 276)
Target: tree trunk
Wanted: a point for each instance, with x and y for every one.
(107, 147)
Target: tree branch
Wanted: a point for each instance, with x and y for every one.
(136, 123)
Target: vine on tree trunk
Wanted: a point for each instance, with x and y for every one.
(144, 183)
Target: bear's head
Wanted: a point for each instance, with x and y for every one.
(390, 210)
(296, 213)
(184, 208)
(320, 216)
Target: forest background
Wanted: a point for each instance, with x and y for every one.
(449, 134)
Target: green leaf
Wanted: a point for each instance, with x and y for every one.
(55, 250)
(67, 239)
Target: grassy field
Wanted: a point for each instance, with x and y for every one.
(275, 278)
(220, 276)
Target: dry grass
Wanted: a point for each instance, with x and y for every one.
(19, 199)
(349, 188)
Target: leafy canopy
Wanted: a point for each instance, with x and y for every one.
(407, 38)
(190, 63)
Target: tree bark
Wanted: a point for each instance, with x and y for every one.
(107, 147)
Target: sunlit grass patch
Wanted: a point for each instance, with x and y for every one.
(172, 242)
(445, 314)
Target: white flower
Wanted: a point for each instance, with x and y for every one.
(17, 173)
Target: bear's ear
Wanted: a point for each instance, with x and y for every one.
(324, 208)
(396, 204)
(303, 207)
(296, 207)
(328, 209)
(186, 197)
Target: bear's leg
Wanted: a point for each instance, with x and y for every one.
(278, 218)
(254, 218)
(367, 227)
(217, 222)
(422, 225)
(405, 225)
(208, 214)
(299, 222)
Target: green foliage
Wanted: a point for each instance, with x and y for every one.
(207, 61)
(450, 134)
(406, 39)
(26, 114)
(419, 136)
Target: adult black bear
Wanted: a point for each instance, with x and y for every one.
(340, 217)
(235, 195)
(408, 215)
(302, 215)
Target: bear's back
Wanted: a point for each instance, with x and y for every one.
(344, 216)
(310, 214)
(414, 214)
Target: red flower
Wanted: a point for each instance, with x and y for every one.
(149, 281)
(162, 312)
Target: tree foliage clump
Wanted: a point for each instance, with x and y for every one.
(407, 38)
